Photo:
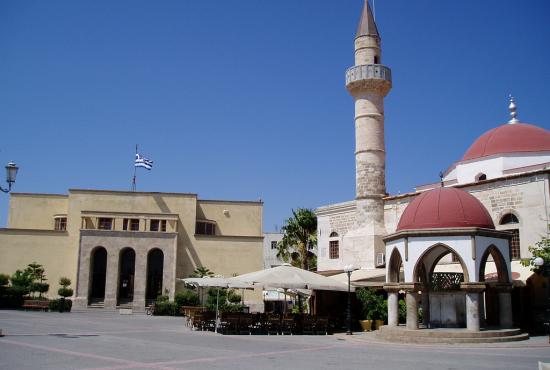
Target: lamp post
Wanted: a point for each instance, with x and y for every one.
(545, 270)
(348, 269)
(11, 174)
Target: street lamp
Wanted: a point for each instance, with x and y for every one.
(11, 173)
(348, 269)
(545, 270)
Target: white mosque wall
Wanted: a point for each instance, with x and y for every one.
(527, 197)
(495, 166)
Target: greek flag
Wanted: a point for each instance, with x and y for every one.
(143, 162)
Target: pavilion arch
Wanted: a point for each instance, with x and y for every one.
(98, 274)
(429, 259)
(500, 263)
(394, 266)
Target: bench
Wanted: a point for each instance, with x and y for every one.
(36, 304)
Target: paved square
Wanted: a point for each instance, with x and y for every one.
(38, 340)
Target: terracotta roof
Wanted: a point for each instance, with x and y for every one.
(509, 138)
(367, 26)
(444, 208)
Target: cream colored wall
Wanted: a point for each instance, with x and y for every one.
(222, 254)
(241, 218)
(35, 211)
(18, 248)
(229, 256)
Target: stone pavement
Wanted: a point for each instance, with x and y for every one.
(107, 341)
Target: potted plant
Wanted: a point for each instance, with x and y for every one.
(367, 298)
(380, 312)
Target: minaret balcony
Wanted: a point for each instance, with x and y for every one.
(368, 75)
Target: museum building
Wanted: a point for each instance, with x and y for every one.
(122, 248)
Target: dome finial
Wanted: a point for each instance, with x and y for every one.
(512, 108)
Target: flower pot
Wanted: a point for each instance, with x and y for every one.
(366, 325)
(378, 324)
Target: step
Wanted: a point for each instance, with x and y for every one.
(449, 336)
(449, 333)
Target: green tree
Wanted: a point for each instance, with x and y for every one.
(299, 239)
(540, 249)
(37, 273)
(65, 291)
(201, 272)
(21, 282)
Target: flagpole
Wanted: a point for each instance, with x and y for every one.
(134, 178)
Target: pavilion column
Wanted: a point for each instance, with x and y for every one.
(505, 305)
(482, 322)
(411, 290)
(393, 303)
(473, 291)
(426, 305)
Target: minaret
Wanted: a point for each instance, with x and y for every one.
(368, 82)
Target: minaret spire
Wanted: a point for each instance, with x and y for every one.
(367, 25)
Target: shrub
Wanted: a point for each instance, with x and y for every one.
(54, 304)
(402, 311)
(226, 300)
(166, 308)
(65, 291)
(373, 306)
(4, 280)
(186, 298)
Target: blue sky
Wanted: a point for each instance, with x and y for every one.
(245, 99)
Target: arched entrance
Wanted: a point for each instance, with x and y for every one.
(443, 301)
(494, 272)
(126, 270)
(98, 273)
(155, 269)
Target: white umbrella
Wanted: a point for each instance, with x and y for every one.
(289, 277)
(216, 282)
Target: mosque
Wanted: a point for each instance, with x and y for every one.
(459, 240)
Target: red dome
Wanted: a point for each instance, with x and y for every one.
(510, 138)
(444, 208)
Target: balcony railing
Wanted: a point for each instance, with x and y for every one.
(367, 72)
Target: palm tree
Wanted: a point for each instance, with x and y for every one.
(300, 237)
(202, 272)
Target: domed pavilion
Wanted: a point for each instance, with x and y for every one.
(451, 224)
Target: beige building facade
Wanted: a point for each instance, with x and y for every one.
(122, 249)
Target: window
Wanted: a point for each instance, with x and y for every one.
(60, 224)
(514, 245)
(104, 223)
(205, 228)
(163, 225)
(481, 177)
(333, 250)
(131, 224)
(376, 59)
(333, 235)
(509, 218)
(154, 225)
(274, 244)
